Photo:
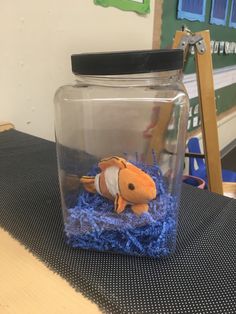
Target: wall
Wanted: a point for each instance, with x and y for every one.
(37, 39)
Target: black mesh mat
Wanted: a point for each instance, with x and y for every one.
(199, 278)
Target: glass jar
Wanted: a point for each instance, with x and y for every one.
(120, 135)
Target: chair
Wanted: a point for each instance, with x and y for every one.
(200, 171)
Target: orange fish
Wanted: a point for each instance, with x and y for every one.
(122, 182)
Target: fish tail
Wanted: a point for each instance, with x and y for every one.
(88, 183)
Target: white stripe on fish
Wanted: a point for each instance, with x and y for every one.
(111, 179)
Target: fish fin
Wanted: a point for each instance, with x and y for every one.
(120, 204)
(134, 168)
(139, 209)
(118, 162)
(88, 183)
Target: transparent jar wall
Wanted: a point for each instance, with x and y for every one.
(141, 118)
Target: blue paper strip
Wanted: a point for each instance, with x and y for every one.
(232, 21)
(219, 11)
(192, 10)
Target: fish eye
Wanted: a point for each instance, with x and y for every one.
(131, 186)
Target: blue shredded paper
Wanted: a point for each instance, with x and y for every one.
(93, 223)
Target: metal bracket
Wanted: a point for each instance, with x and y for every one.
(193, 40)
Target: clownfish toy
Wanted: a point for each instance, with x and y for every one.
(122, 182)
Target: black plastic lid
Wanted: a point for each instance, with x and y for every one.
(127, 62)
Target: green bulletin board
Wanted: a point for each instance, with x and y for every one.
(170, 24)
(225, 97)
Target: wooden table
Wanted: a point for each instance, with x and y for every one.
(229, 189)
(27, 286)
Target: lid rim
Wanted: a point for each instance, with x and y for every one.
(127, 62)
